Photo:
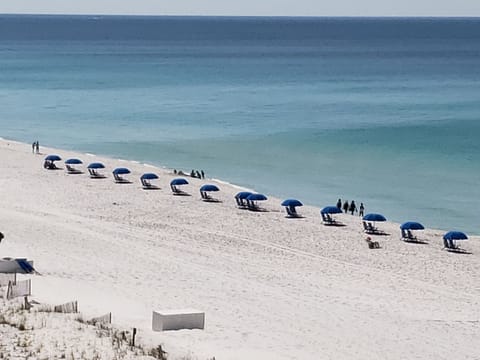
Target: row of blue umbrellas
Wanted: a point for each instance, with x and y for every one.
(248, 196)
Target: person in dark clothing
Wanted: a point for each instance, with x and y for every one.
(339, 204)
(353, 207)
(37, 147)
(1, 237)
(203, 174)
(34, 144)
(345, 206)
(362, 209)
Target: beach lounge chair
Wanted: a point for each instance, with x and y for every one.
(292, 212)
(71, 170)
(95, 175)
(408, 236)
(208, 198)
(451, 245)
(370, 229)
(147, 185)
(177, 191)
(120, 180)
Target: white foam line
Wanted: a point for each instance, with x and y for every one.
(90, 154)
(232, 185)
(149, 166)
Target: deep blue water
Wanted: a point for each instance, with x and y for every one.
(384, 111)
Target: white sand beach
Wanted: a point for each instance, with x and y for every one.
(270, 287)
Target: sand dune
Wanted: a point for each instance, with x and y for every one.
(271, 287)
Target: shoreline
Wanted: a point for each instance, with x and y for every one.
(270, 287)
(220, 181)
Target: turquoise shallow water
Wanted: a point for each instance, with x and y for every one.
(383, 111)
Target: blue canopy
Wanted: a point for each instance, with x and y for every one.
(291, 203)
(73, 162)
(209, 187)
(256, 197)
(455, 235)
(149, 176)
(179, 181)
(374, 217)
(96, 165)
(121, 171)
(412, 225)
(53, 158)
(331, 210)
(242, 195)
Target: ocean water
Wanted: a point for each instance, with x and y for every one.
(382, 111)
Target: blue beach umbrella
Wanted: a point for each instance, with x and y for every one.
(121, 171)
(209, 187)
(149, 176)
(243, 195)
(256, 197)
(455, 235)
(96, 165)
(73, 162)
(374, 217)
(179, 181)
(331, 210)
(291, 203)
(53, 158)
(412, 225)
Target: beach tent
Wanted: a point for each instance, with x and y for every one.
(241, 198)
(450, 239)
(18, 266)
(93, 170)
(49, 162)
(145, 180)
(117, 175)
(207, 188)
(327, 213)
(178, 182)
(406, 230)
(252, 201)
(290, 207)
(69, 166)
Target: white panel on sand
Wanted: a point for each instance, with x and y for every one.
(178, 319)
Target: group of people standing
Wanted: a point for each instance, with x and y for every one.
(36, 147)
(352, 207)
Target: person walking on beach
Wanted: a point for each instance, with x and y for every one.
(345, 206)
(339, 204)
(34, 144)
(353, 207)
(362, 209)
(37, 147)
(203, 174)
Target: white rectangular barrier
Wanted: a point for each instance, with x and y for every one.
(178, 319)
(21, 288)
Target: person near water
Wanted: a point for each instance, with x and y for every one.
(361, 210)
(345, 206)
(353, 207)
(339, 204)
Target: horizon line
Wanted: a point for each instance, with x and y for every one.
(249, 16)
